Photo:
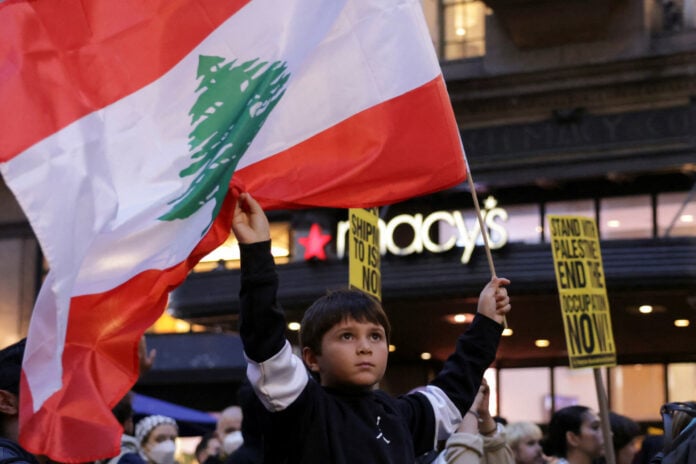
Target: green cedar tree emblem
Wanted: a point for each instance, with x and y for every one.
(229, 112)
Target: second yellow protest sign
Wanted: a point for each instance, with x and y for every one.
(582, 291)
(364, 256)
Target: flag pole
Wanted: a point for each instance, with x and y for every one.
(479, 216)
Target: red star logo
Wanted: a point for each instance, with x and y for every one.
(314, 243)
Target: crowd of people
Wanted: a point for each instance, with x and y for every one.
(325, 407)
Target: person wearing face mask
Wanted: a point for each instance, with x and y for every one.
(232, 441)
(156, 436)
(255, 415)
(229, 430)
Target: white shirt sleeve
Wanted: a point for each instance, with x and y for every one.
(447, 416)
(279, 380)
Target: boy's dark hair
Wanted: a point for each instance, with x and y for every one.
(336, 306)
(11, 366)
(568, 419)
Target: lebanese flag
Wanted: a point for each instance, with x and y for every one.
(125, 122)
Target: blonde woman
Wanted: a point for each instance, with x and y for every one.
(524, 439)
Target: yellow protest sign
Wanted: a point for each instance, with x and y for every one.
(582, 291)
(364, 257)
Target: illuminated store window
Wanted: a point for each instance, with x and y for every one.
(572, 208)
(682, 381)
(576, 386)
(490, 376)
(463, 34)
(637, 390)
(169, 324)
(16, 287)
(625, 217)
(431, 11)
(523, 393)
(226, 256)
(689, 14)
(676, 214)
(524, 223)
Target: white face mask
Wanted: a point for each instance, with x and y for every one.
(232, 441)
(162, 453)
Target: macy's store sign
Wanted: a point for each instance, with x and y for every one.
(452, 231)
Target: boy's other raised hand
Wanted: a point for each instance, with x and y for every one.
(494, 301)
(250, 224)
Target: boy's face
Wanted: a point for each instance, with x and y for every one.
(353, 354)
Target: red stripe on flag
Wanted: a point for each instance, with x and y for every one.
(100, 360)
(379, 156)
(89, 54)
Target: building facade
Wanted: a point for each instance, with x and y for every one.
(566, 107)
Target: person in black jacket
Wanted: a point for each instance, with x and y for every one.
(337, 415)
(10, 372)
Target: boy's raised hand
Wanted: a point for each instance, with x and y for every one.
(250, 224)
(494, 301)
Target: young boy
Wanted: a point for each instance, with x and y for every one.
(342, 418)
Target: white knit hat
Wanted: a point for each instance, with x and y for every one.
(147, 423)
